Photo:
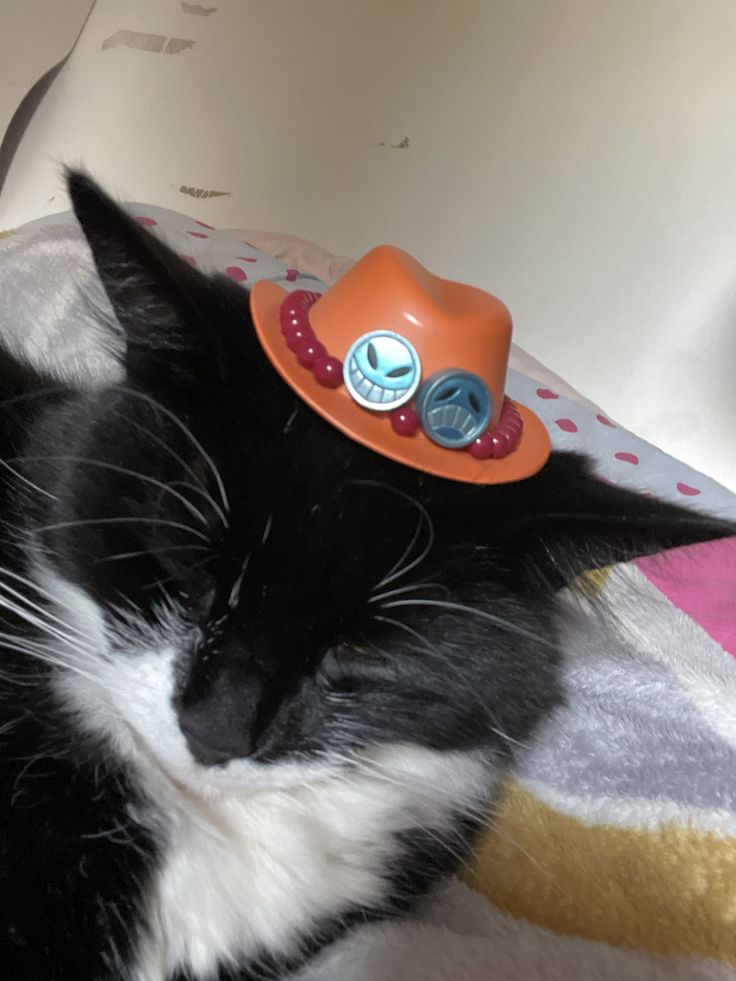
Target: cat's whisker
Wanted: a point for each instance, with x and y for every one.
(29, 483)
(119, 556)
(413, 587)
(404, 570)
(135, 608)
(407, 551)
(397, 570)
(234, 597)
(41, 610)
(4, 571)
(84, 522)
(192, 568)
(10, 642)
(63, 663)
(188, 433)
(208, 498)
(75, 643)
(267, 529)
(37, 393)
(199, 486)
(472, 611)
(114, 468)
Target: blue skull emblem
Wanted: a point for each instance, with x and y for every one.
(382, 370)
(455, 407)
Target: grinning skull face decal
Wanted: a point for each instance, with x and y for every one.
(382, 370)
(455, 407)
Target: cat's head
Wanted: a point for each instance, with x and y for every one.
(229, 583)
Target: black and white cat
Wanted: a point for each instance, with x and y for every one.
(257, 683)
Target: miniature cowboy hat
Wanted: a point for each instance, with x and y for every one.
(408, 364)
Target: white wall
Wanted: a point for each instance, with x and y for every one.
(34, 36)
(578, 157)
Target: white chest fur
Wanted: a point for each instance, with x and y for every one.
(244, 873)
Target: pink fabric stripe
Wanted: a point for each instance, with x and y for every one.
(700, 580)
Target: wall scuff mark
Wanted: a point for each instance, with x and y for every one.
(201, 192)
(155, 43)
(401, 145)
(197, 9)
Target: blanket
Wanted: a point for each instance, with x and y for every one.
(610, 852)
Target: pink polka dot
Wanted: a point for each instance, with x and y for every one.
(236, 273)
(198, 234)
(205, 225)
(143, 220)
(291, 275)
(547, 393)
(190, 259)
(687, 490)
(605, 422)
(567, 425)
(627, 458)
(246, 258)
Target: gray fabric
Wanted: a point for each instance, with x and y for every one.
(628, 730)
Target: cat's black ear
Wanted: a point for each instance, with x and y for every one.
(566, 521)
(154, 293)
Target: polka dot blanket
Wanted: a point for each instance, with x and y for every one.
(611, 851)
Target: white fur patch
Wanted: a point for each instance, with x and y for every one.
(254, 857)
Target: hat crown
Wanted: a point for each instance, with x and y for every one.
(449, 324)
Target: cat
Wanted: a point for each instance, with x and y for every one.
(258, 683)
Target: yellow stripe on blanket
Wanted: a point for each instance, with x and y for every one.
(669, 891)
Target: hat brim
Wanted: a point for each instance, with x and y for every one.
(374, 430)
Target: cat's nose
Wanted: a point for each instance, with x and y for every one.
(207, 743)
(218, 723)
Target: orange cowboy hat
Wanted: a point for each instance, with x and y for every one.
(409, 365)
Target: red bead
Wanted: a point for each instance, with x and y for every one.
(404, 421)
(308, 352)
(510, 416)
(482, 447)
(289, 314)
(294, 310)
(298, 334)
(328, 371)
(501, 444)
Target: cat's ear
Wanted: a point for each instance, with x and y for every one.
(567, 520)
(155, 294)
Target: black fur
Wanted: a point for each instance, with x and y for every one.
(299, 665)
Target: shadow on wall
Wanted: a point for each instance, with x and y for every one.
(22, 117)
